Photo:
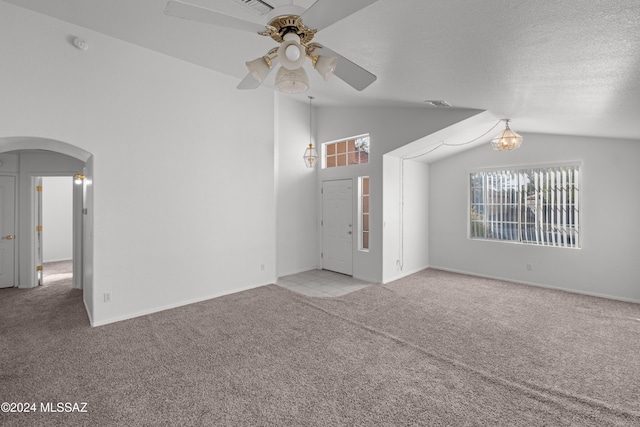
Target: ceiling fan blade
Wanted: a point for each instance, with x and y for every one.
(249, 82)
(323, 13)
(207, 16)
(351, 73)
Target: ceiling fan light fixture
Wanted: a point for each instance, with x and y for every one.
(285, 26)
(325, 65)
(291, 53)
(292, 81)
(507, 140)
(259, 67)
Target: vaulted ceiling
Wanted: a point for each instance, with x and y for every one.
(565, 67)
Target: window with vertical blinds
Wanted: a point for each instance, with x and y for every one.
(537, 206)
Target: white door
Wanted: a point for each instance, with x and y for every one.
(7, 229)
(337, 226)
(77, 234)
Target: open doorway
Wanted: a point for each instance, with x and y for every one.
(56, 235)
(24, 158)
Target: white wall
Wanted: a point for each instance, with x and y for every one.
(297, 222)
(57, 218)
(606, 265)
(184, 200)
(406, 217)
(392, 215)
(389, 129)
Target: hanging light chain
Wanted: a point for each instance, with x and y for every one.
(310, 127)
(310, 155)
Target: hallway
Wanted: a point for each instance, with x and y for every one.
(56, 273)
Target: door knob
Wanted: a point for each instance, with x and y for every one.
(349, 232)
(9, 237)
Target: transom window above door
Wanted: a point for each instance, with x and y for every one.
(351, 151)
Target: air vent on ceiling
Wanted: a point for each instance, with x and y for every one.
(257, 6)
(438, 103)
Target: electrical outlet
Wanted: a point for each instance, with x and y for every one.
(107, 297)
(261, 266)
(529, 267)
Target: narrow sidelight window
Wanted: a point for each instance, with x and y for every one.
(363, 187)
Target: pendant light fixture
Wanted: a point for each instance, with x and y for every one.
(310, 154)
(507, 139)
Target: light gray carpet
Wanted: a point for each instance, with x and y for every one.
(434, 349)
(57, 272)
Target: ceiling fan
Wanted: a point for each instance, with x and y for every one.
(294, 36)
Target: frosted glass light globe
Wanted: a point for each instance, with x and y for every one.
(292, 52)
(292, 81)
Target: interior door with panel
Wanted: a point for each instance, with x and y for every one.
(337, 226)
(7, 230)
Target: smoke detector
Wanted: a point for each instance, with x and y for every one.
(80, 43)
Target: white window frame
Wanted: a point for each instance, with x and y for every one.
(548, 228)
(323, 156)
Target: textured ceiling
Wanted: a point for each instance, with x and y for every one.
(566, 67)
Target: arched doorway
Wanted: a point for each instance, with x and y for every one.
(26, 159)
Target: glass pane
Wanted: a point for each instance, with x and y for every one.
(477, 229)
(355, 151)
(536, 206)
(365, 240)
(331, 162)
(364, 157)
(365, 203)
(353, 158)
(362, 143)
(365, 222)
(365, 185)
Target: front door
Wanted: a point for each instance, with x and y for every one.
(337, 226)
(7, 229)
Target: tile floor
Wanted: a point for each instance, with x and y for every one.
(321, 283)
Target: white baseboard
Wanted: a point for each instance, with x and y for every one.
(366, 279)
(56, 260)
(174, 305)
(87, 310)
(538, 285)
(404, 274)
